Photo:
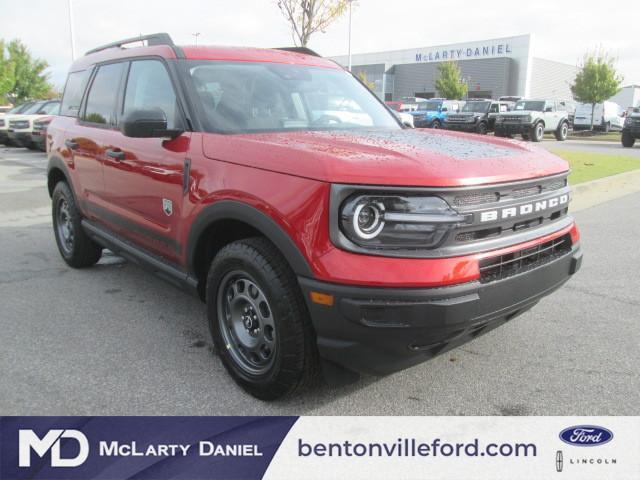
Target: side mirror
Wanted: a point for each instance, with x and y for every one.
(548, 109)
(147, 124)
(444, 109)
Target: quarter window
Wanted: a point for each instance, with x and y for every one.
(149, 87)
(101, 100)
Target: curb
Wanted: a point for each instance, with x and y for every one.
(602, 190)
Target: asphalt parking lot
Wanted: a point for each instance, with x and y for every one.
(113, 340)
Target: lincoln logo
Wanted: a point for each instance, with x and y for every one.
(524, 209)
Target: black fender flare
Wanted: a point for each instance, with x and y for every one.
(234, 210)
(56, 162)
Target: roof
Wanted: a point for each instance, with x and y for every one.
(220, 53)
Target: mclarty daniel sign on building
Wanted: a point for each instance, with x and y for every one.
(461, 53)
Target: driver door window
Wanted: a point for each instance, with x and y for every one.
(149, 87)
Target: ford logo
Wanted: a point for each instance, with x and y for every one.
(586, 435)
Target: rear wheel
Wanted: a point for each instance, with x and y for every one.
(258, 319)
(75, 246)
(627, 140)
(537, 132)
(562, 132)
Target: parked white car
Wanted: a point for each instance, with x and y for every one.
(606, 116)
(20, 126)
(4, 121)
(533, 118)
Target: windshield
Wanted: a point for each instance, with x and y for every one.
(533, 105)
(20, 108)
(33, 108)
(476, 107)
(239, 97)
(430, 106)
(50, 108)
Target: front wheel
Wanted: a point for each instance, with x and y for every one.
(562, 132)
(436, 124)
(537, 132)
(481, 128)
(75, 246)
(627, 140)
(258, 319)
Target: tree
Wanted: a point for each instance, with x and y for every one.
(30, 80)
(449, 84)
(362, 76)
(596, 81)
(310, 16)
(7, 73)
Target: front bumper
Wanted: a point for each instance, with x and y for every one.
(423, 123)
(513, 128)
(461, 127)
(634, 131)
(19, 137)
(383, 330)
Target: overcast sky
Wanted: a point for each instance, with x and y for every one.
(562, 30)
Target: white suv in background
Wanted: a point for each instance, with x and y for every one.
(533, 118)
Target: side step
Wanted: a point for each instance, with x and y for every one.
(141, 257)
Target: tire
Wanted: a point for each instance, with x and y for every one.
(537, 132)
(436, 124)
(562, 132)
(627, 140)
(258, 320)
(481, 128)
(75, 246)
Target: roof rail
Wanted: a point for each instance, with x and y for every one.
(304, 50)
(153, 39)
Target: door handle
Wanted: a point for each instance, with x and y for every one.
(71, 144)
(116, 154)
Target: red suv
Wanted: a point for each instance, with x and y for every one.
(322, 235)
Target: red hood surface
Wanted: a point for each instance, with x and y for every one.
(408, 157)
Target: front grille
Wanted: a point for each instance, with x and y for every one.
(503, 266)
(476, 198)
(512, 118)
(19, 124)
(479, 198)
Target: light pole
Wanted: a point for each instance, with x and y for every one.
(71, 33)
(350, 2)
(196, 35)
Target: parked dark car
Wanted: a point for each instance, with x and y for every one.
(477, 116)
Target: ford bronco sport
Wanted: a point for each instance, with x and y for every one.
(533, 118)
(319, 244)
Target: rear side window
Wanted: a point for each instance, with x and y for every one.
(101, 100)
(149, 87)
(73, 91)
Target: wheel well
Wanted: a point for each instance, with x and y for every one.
(212, 239)
(55, 175)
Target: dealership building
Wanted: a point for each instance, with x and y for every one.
(492, 68)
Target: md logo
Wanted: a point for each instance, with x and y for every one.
(28, 440)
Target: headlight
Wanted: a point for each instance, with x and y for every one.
(397, 221)
(527, 119)
(628, 121)
(499, 119)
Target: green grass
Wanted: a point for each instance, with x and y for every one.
(586, 166)
(598, 136)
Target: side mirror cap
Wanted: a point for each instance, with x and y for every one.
(150, 123)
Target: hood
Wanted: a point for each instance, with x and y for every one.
(28, 117)
(423, 113)
(387, 157)
(521, 112)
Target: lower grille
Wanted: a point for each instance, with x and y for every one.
(503, 266)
